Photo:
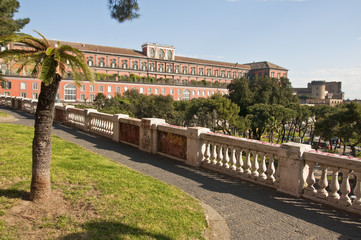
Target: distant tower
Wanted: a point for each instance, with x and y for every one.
(153, 50)
(318, 89)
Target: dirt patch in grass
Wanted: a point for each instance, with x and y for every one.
(49, 220)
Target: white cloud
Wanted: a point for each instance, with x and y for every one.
(350, 78)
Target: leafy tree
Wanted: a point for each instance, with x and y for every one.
(49, 64)
(260, 117)
(123, 10)
(7, 24)
(99, 100)
(225, 112)
(241, 94)
(349, 128)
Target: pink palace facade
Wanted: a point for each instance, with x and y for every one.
(154, 70)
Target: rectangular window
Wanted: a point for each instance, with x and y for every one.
(82, 88)
(149, 90)
(272, 74)
(156, 91)
(216, 73)
(163, 91)
(22, 86)
(193, 92)
(193, 70)
(172, 91)
(101, 88)
(35, 86)
(82, 97)
(117, 89)
(152, 67)
(198, 92)
(35, 96)
(91, 88)
(144, 66)
(92, 97)
(176, 69)
(141, 90)
(169, 68)
(179, 92)
(23, 95)
(278, 75)
(208, 72)
(109, 89)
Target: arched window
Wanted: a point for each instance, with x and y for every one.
(186, 94)
(170, 55)
(70, 92)
(161, 54)
(152, 52)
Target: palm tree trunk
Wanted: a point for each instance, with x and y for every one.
(40, 181)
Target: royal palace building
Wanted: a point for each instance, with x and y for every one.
(154, 70)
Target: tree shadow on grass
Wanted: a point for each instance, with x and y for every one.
(112, 230)
(14, 193)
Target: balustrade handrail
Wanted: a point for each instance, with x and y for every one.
(333, 160)
(251, 144)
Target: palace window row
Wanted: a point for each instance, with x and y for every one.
(166, 67)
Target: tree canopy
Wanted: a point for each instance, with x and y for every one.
(8, 25)
(123, 10)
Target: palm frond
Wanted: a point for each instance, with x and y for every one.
(48, 70)
(44, 38)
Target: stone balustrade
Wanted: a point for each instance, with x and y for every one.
(292, 168)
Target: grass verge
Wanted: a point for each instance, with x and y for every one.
(93, 197)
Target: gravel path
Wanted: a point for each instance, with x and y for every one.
(250, 211)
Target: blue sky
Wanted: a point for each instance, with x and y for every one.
(314, 39)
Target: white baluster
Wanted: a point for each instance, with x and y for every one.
(233, 159)
(333, 196)
(322, 183)
(247, 165)
(214, 154)
(310, 189)
(255, 165)
(263, 168)
(357, 191)
(226, 157)
(239, 159)
(219, 156)
(271, 170)
(207, 153)
(345, 188)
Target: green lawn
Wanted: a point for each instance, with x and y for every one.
(101, 199)
(4, 115)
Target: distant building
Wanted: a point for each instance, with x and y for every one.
(154, 70)
(321, 92)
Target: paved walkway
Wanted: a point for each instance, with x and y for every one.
(250, 211)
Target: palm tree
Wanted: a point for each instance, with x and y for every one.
(49, 64)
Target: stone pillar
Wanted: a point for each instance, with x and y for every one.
(87, 118)
(195, 147)
(148, 134)
(34, 105)
(291, 168)
(116, 125)
(66, 113)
